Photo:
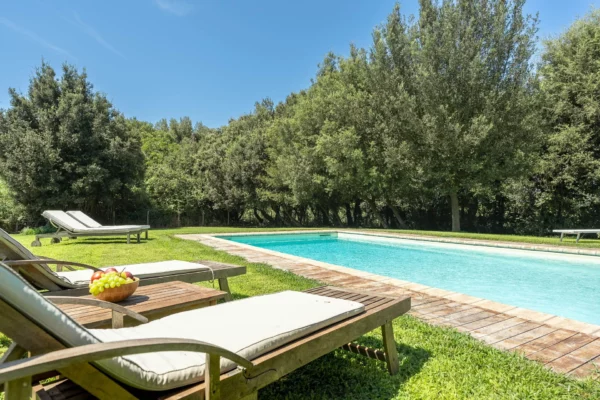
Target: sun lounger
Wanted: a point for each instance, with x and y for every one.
(70, 227)
(75, 282)
(578, 232)
(227, 351)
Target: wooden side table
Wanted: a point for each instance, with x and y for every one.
(152, 301)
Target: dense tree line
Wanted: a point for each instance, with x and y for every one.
(443, 123)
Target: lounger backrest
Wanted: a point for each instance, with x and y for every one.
(10, 249)
(64, 220)
(84, 219)
(23, 297)
(39, 274)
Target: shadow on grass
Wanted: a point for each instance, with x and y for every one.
(345, 375)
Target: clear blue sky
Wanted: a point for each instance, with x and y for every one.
(210, 60)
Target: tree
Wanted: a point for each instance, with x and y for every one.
(564, 191)
(473, 82)
(66, 146)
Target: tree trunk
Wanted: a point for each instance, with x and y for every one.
(379, 214)
(258, 218)
(349, 220)
(336, 216)
(324, 215)
(288, 215)
(266, 216)
(357, 213)
(455, 211)
(401, 223)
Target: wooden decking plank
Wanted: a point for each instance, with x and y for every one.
(576, 358)
(483, 322)
(590, 368)
(482, 314)
(524, 337)
(544, 342)
(565, 347)
(509, 332)
(467, 310)
(496, 327)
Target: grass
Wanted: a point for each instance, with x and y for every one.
(436, 362)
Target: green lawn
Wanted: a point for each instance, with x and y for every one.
(435, 362)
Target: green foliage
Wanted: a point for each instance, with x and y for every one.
(564, 190)
(12, 214)
(65, 146)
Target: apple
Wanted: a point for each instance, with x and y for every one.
(109, 270)
(97, 275)
(129, 275)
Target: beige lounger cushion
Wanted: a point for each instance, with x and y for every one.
(250, 327)
(146, 270)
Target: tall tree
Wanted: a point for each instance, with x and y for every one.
(565, 190)
(473, 84)
(64, 145)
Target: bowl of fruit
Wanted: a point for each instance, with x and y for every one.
(113, 285)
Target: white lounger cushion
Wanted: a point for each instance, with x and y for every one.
(250, 327)
(146, 270)
(70, 224)
(91, 223)
(84, 218)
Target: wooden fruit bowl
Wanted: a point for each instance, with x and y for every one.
(115, 295)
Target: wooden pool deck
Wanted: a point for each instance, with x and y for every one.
(563, 345)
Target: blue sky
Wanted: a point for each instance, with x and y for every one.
(210, 60)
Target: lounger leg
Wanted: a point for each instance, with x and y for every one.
(138, 237)
(128, 238)
(578, 236)
(389, 345)
(212, 377)
(224, 286)
(561, 236)
(19, 389)
(146, 235)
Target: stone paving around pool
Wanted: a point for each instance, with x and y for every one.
(564, 345)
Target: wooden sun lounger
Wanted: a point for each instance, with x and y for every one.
(82, 380)
(578, 232)
(37, 272)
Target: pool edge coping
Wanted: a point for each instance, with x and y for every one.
(551, 320)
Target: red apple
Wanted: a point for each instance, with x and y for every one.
(129, 275)
(97, 275)
(109, 270)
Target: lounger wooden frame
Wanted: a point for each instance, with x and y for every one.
(49, 354)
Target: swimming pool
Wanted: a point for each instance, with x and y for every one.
(554, 283)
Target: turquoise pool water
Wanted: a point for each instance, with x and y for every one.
(564, 285)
